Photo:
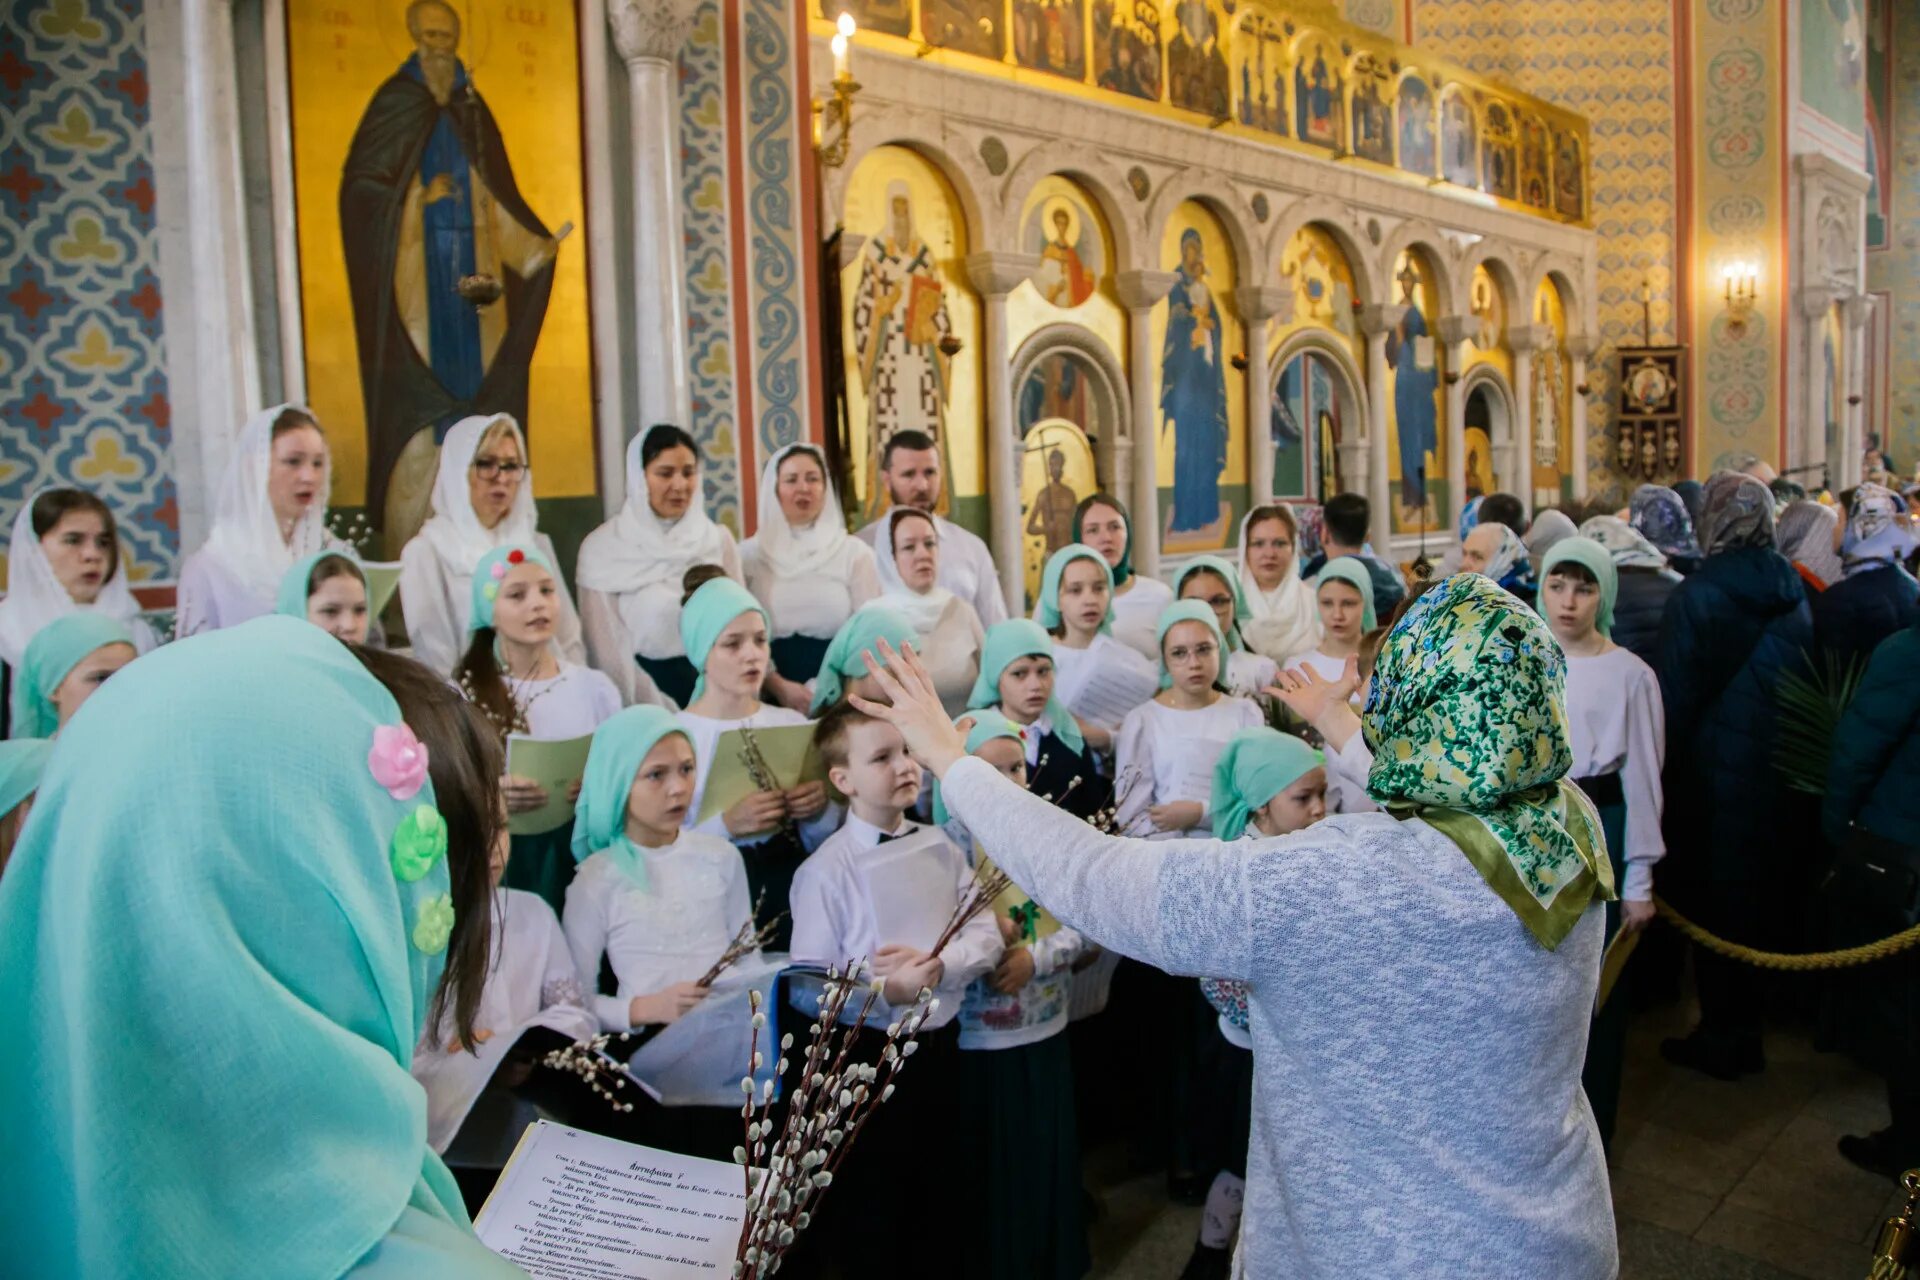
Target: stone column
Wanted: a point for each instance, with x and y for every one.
(995, 275)
(1455, 333)
(1809, 444)
(1377, 322)
(213, 366)
(648, 34)
(1139, 292)
(1261, 306)
(1845, 471)
(1534, 446)
(1579, 350)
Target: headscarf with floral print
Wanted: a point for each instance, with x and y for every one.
(1467, 722)
(1736, 512)
(1877, 533)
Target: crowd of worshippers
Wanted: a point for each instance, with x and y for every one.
(1226, 698)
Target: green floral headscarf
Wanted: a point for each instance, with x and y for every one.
(1231, 576)
(1047, 611)
(1006, 643)
(846, 656)
(1468, 727)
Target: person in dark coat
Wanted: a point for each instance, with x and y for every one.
(1645, 583)
(1872, 779)
(1731, 631)
(1877, 596)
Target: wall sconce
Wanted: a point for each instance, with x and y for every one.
(1239, 361)
(1742, 282)
(833, 117)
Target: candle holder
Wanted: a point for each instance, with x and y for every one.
(1741, 285)
(833, 115)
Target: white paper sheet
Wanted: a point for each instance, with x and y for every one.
(697, 1059)
(912, 885)
(572, 1205)
(1104, 692)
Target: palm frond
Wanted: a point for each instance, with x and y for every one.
(1809, 709)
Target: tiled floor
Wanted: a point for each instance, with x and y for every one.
(1711, 1181)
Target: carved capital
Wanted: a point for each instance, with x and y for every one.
(1139, 290)
(1455, 330)
(1257, 302)
(996, 275)
(1859, 310)
(1580, 345)
(1381, 319)
(1815, 300)
(1529, 337)
(650, 30)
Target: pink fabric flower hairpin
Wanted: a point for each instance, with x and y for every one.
(398, 761)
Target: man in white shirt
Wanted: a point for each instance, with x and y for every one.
(910, 466)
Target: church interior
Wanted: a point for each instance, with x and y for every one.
(1202, 255)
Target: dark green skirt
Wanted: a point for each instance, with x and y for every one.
(672, 676)
(798, 658)
(1607, 1039)
(543, 864)
(1025, 1162)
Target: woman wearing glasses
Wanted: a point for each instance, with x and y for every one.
(482, 499)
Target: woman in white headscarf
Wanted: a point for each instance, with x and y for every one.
(949, 631)
(270, 511)
(1809, 535)
(482, 499)
(1497, 552)
(803, 565)
(631, 569)
(1286, 620)
(64, 558)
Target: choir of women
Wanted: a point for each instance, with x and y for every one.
(1551, 674)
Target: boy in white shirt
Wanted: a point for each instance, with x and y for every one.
(848, 905)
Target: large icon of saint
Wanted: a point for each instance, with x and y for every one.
(427, 199)
(1410, 355)
(899, 319)
(1193, 393)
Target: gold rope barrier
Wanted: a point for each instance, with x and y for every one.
(1845, 958)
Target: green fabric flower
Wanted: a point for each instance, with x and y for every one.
(1468, 726)
(420, 842)
(433, 925)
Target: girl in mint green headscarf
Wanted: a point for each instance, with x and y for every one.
(1009, 756)
(726, 635)
(283, 963)
(1166, 748)
(64, 663)
(1016, 676)
(21, 760)
(513, 672)
(1101, 522)
(1254, 785)
(653, 902)
(844, 667)
(1598, 562)
(1343, 592)
(329, 590)
(1216, 583)
(1099, 678)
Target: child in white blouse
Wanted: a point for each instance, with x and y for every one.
(1212, 581)
(1076, 608)
(512, 672)
(846, 909)
(1617, 728)
(653, 905)
(1166, 748)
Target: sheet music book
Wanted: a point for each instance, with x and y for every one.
(697, 1059)
(788, 751)
(1102, 693)
(555, 764)
(573, 1205)
(912, 884)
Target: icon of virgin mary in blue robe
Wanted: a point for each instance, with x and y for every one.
(1193, 393)
(1413, 388)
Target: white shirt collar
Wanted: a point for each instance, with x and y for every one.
(865, 835)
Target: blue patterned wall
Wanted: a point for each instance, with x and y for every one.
(704, 200)
(773, 209)
(83, 387)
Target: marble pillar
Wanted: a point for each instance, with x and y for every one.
(994, 276)
(1140, 292)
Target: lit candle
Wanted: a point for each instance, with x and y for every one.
(840, 71)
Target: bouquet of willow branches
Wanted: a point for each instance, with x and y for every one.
(788, 1173)
(1108, 821)
(762, 774)
(590, 1061)
(749, 940)
(979, 897)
